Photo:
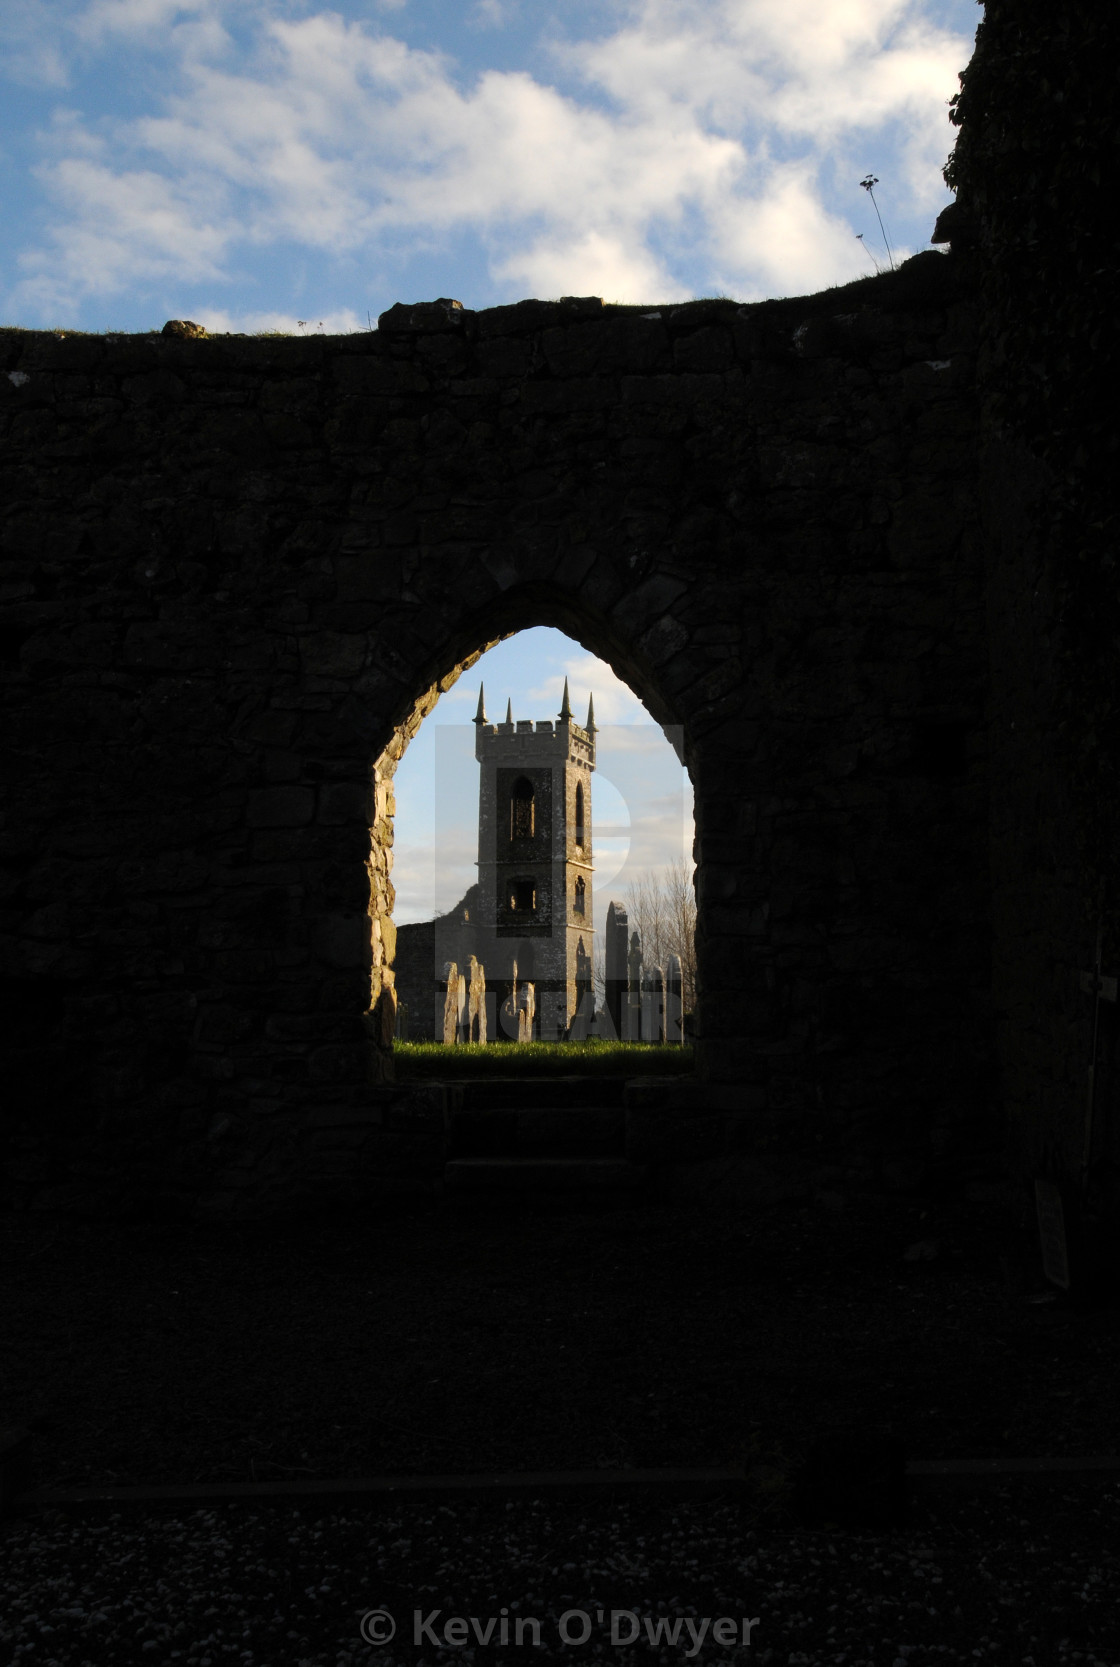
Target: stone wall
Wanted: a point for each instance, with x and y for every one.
(423, 949)
(1038, 118)
(238, 572)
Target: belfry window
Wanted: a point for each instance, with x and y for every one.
(579, 813)
(523, 897)
(580, 904)
(522, 810)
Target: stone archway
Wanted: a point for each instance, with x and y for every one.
(519, 610)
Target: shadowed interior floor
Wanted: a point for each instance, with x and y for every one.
(557, 1338)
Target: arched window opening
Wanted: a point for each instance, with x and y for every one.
(522, 810)
(466, 790)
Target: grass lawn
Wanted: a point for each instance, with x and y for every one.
(545, 1059)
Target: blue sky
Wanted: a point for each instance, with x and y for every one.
(641, 796)
(251, 164)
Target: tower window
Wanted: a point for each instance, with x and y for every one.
(579, 813)
(523, 897)
(522, 810)
(580, 904)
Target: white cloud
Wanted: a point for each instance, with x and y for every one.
(30, 52)
(490, 14)
(784, 241)
(691, 140)
(616, 267)
(615, 701)
(139, 17)
(123, 226)
(342, 322)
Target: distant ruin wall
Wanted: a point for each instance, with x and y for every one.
(238, 571)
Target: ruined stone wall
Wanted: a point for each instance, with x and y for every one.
(1039, 124)
(423, 949)
(239, 571)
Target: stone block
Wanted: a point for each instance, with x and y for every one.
(334, 654)
(672, 1134)
(280, 807)
(707, 349)
(169, 646)
(345, 801)
(422, 317)
(342, 940)
(586, 393)
(739, 1179)
(388, 934)
(905, 1173)
(338, 1063)
(373, 576)
(378, 375)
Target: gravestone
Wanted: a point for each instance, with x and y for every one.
(526, 1012)
(615, 943)
(632, 1019)
(674, 1002)
(454, 1005)
(476, 1001)
(584, 1024)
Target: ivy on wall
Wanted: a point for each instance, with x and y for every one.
(1038, 148)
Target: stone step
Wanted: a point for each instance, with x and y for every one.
(568, 1131)
(509, 1093)
(507, 1177)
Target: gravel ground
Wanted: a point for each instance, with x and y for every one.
(1008, 1577)
(357, 1348)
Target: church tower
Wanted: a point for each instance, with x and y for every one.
(535, 906)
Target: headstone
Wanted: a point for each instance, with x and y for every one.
(402, 1021)
(674, 1002)
(476, 1002)
(508, 1017)
(602, 1025)
(526, 1012)
(454, 1005)
(583, 1022)
(585, 996)
(632, 1019)
(615, 945)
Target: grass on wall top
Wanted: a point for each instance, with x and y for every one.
(545, 1059)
